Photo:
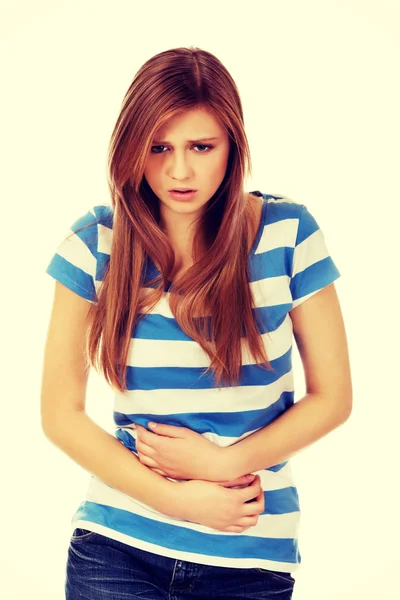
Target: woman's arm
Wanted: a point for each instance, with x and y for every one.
(320, 335)
(195, 457)
(64, 420)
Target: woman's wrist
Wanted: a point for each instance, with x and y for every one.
(169, 499)
(233, 463)
(227, 467)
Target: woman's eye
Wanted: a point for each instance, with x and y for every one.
(154, 152)
(206, 146)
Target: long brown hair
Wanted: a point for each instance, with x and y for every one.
(217, 285)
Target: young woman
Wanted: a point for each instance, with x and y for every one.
(187, 302)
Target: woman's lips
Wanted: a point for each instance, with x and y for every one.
(182, 195)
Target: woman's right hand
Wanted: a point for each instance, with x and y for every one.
(217, 505)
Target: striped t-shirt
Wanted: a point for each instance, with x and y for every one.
(288, 263)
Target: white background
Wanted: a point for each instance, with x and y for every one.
(319, 82)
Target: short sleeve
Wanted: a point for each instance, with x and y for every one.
(74, 263)
(313, 268)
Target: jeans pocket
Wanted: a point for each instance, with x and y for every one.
(80, 534)
(281, 575)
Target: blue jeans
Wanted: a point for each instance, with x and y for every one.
(99, 568)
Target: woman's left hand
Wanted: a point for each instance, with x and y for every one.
(178, 452)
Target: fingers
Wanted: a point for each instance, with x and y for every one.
(146, 437)
(253, 498)
(251, 491)
(160, 472)
(149, 462)
(144, 448)
(234, 529)
(170, 430)
(243, 480)
(255, 507)
(243, 524)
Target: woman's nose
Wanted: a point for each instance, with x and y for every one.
(179, 166)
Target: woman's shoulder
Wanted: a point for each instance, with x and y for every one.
(104, 214)
(274, 221)
(277, 206)
(281, 208)
(280, 201)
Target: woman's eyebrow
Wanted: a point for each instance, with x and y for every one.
(205, 139)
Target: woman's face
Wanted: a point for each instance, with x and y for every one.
(180, 156)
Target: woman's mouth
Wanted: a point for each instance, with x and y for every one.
(182, 195)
